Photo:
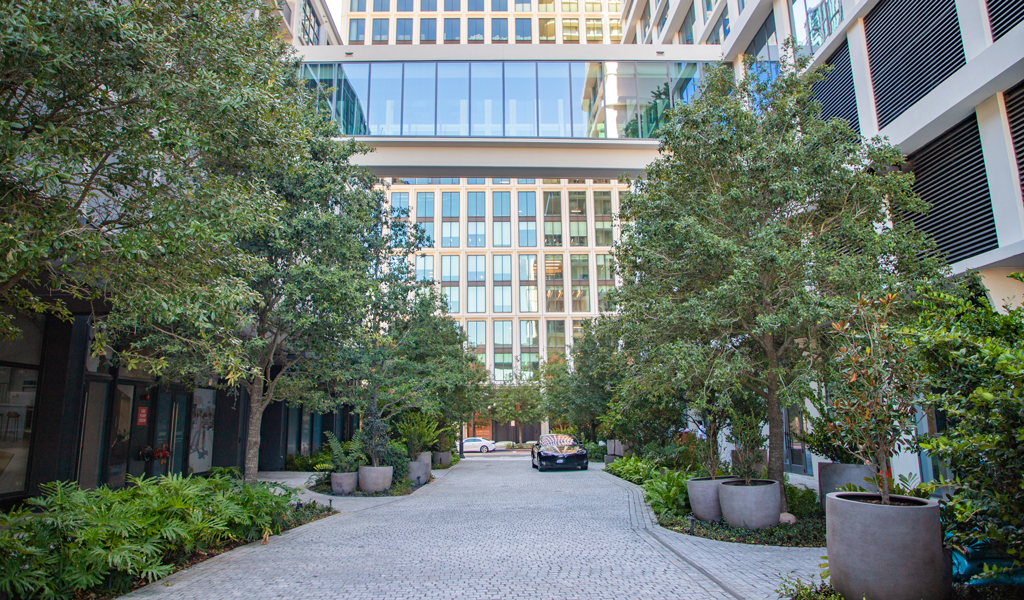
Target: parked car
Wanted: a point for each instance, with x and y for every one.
(475, 444)
(558, 451)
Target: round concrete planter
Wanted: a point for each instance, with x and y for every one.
(424, 457)
(419, 472)
(442, 458)
(343, 484)
(884, 552)
(375, 479)
(753, 506)
(833, 476)
(703, 494)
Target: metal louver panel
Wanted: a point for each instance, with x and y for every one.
(1015, 113)
(1004, 15)
(949, 174)
(836, 93)
(913, 46)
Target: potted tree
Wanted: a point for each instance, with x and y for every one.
(747, 501)
(346, 458)
(703, 491)
(880, 545)
(418, 431)
(845, 468)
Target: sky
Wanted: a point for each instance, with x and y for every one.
(336, 7)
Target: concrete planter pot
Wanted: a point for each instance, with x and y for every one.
(753, 506)
(833, 476)
(885, 552)
(442, 458)
(375, 479)
(343, 484)
(424, 457)
(703, 494)
(419, 472)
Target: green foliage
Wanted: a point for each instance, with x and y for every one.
(311, 462)
(398, 457)
(633, 469)
(746, 430)
(518, 399)
(794, 589)
(667, 493)
(418, 431)
(805, 533)
(905, 485)
(802, 502)
(70, 540)
(595, 451)
(344, 457)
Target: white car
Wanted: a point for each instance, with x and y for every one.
(475, 444)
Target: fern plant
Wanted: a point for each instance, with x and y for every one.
(667, 494)
(346, 457)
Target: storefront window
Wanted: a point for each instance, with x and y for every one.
(17, 404)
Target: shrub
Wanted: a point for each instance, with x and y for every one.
(297, 462)
(419, 432)
(595, 451)
(802, 502)
(633, 469)
(398, 457)
(666, 493)
(345, 457)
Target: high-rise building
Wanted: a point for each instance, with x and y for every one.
(306, 22)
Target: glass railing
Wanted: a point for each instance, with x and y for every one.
(504, 99)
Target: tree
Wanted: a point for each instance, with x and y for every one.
(754, 230)
(125, 124)
(517, 400)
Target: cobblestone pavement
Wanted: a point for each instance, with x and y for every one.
(493, 529)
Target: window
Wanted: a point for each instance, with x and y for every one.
(578, 203)
(603, 203)
(502, 366)
(553, 234)
(476, 332)
(553, 204)
(403, 30)
(502, 203)
(570, 6)
(553, 267)
(604, 304)
(577, 329)
(524, 33)
(400, 204)
(428, 231)
(615, 31)
(522, 180)
(580, 267)
(357, 6)
(424, 268)
(499, 30)
(451, 298)
(476, 235)
(546, 6)
(503, 333)
(476, 299)
(580, 298)
(475, 30)
(425, 204)
(381, 5)
(449, 268)
(18, 388)
(686, 29)
(502, 234)
(450, 234)
(595, 30)
(527, 203)
(546, 30)
(593, 6)
(523, 6)
(721, 31)
(500, 180)
(527, 234)
(527, 298)
(502, 267)
(556, 335)
(404, 5)
(502, 298)
(604, 266)
(452, 5)
(529, 335)
(555, 298)
(380, 30)
(614, 7)
(475, 5)
(554, 181)
(356, 30)
(428, 30)
(428, 5)
(603, 233)
(529, 362)
(451, 30)
(527, 267)
(499, 5)
(474, 181)
(476, 268)
(578, 233)
(449, 204)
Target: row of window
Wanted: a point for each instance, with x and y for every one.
(529, 299)
(501, 203)
(475, 32)
(476, 236)
(529, 337)
(483, 181)
(476, 268)
(590, 6)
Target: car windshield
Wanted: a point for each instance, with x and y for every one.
(562, 444)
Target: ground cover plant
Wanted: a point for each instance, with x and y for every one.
(794, 589)
(633, 469)
(805, 533)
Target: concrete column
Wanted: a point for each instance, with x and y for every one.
(1001, 169)
(974, 26)
(862, 85)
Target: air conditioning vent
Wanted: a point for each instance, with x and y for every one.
(1004, 15)
(836, 93)
(1015, 112)
(950, 175)
(913, 46)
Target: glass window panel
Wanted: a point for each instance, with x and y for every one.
(477, 202)
(18, 396)
(570, 6)
(527, 267)
(502, 366)
(357, 6)
(653, 95)
(577, 329)
(476, 234)
(555, 298)
(475, 30)
(403, 33)
(452, 5)
(475, 5)
(578, 233)
(386, 99)
(499, 5)
(428, 230)
(553, 234)
(380, 30)
(529, 334)
(529, 362)
(450, 235)
(588, 116)
(428, 5)
(578, 203)
(527, 202)
(419, 95)
(353, 94)
(593, 6)
(425, 204)
(553, 203)
(527, 234)
(381, 5)
(620, 108)
(400, 204)
(476, 299)
(499, 30)
(546, 6)
(527, 298)
(453, 99)
(604, 266)
(580, 266)
(595, 30)
(404, 5)
(556, 334)
(487, 99)
(503, 333)
(603, 302)
(525, 180)
(523, 6)
(570, 27)
(553, 267)
(449, 204)
(546, 27)
(614, 31)
(499, 180)
(502, 298)
(520, 99)
(475, 181)
(424, 268)
(451, 298)
(524, 31)
(502, 203)
(502, 235)
(428, 30)
(356, 30)
(476, 332)
(554, 99)
(581, 298)
(503, 267)
(451, 30)
(476, 268)
(603, 233)
(450, 267)
(603, 203)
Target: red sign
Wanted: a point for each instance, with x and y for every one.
(143, 415)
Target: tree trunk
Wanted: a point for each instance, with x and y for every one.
(252, 446)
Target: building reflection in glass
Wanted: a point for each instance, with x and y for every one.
(518, 99)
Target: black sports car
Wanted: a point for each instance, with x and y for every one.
(557, 451)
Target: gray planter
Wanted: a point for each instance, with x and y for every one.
(343, 484)
(375, 479)
(754, 506)
(442, 458)
(424, 457)
(703, 494)
(833, 476)
(885, 552)
(419, 472)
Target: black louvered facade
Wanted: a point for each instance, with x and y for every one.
(1004, 15)
(913, 46)
(1015, 113)
(949, 174)
(836, 93)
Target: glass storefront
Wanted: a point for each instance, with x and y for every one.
(17, 401)
(518, 99)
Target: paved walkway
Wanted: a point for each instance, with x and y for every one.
(493, 528)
